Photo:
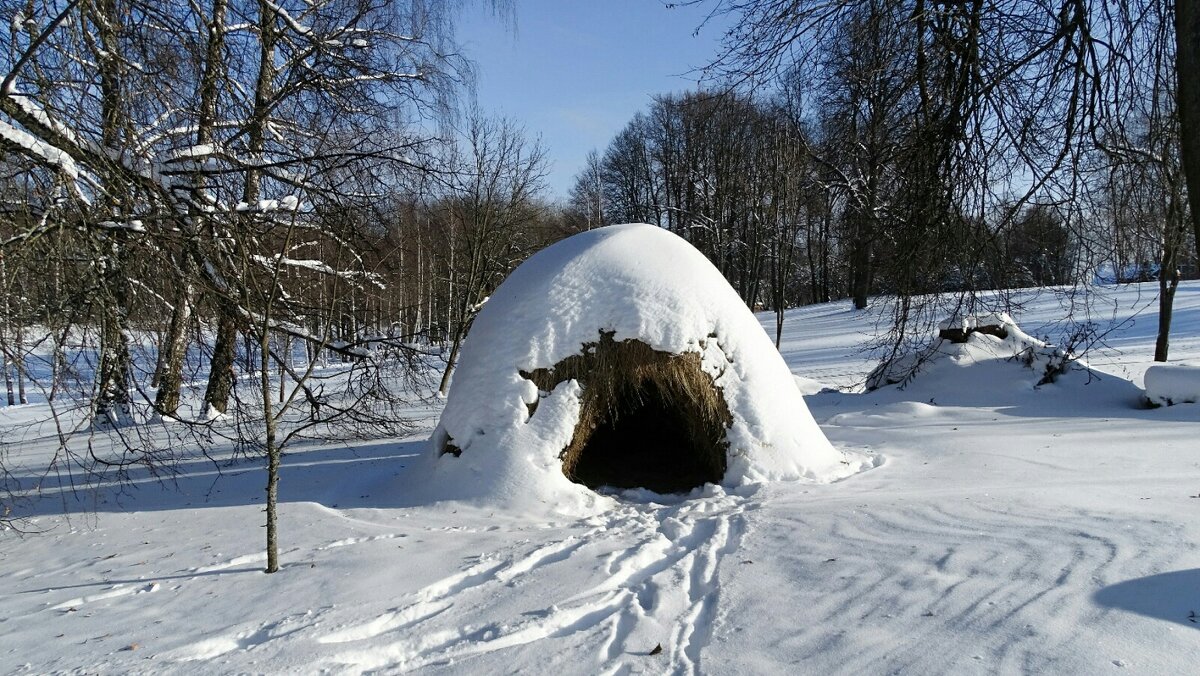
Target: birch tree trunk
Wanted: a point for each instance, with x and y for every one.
(171, 363)
(112, 388)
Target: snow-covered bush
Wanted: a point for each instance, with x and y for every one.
(974, 338)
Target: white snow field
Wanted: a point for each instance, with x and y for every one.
(1007, 529)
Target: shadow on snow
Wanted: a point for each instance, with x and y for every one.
(345, 476)
(1174, 597)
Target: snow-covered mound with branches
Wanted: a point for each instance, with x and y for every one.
(997, 365)
(977, 339)
(639, 282)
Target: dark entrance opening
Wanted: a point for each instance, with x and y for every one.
(647, 419)
(643, 442)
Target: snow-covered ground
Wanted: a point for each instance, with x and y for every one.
(1007, 529)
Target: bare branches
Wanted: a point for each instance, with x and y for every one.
(956, 125)
(205, 185)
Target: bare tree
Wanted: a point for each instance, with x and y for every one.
(210, 170)
(1000, 107)
(489, 209)
(1141, 143)
(587, 195)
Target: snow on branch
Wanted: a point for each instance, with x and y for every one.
(26, 144)
(53, 143)
(286, 203)
(270, 262)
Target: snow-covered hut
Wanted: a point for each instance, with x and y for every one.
(622, 357)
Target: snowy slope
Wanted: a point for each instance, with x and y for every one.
(1009, 529)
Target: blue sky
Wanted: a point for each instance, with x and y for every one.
(575, 71)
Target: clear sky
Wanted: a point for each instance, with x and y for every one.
(575, 71)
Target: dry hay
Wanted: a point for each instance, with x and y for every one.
(647, 419)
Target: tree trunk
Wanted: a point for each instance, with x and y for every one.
(285, 358)
(19, 364)
(8, 383)
(860, 268)
(1168, 282)
(1174, 234)
(170, 380)
(264, 89)
(112, 398)
(444, 387)
(778, 288)
(273, 453)
(4, 320)
(220, 375)
(263, 93)
(1187, 69)
(58, 366)
(160, 357)
(170, 374)
(248, 345)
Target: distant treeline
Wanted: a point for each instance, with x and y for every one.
(859, 147)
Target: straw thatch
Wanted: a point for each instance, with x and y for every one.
(647, 418)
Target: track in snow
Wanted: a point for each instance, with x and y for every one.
(653, 581)
(931, 588)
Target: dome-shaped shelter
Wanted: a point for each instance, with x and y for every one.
(620, 356)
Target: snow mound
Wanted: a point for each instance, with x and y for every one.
(1174, 384)
(1017, 373)
(638, 282)
(982, 344)
(972, 322)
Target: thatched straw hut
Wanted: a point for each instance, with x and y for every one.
(620, 357)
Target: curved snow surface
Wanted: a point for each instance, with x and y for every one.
(638, 281)
(1167, 385)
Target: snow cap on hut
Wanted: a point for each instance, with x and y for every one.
(620, 356)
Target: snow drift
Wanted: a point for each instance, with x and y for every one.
(501, 439)
(1167, 385)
